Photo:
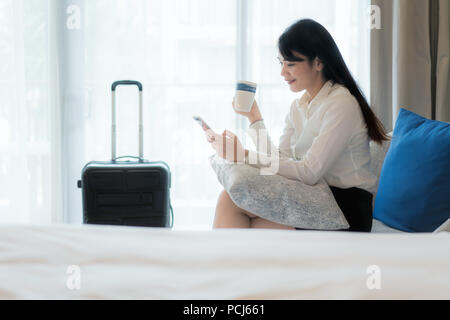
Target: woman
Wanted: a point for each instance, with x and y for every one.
(326, 135)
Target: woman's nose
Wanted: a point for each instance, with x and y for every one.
(283, 70)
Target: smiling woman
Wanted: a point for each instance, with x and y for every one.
(326, 134)
(299, 73)
(312, 59)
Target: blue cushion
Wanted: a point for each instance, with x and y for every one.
(414, 188)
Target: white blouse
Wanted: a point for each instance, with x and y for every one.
(326, 138)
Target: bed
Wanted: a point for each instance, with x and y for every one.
(110, 262)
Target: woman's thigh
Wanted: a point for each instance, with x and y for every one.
(255, 221)
(266, 224)
(224, 196)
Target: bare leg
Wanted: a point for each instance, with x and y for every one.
(266, 224)
(228, 215)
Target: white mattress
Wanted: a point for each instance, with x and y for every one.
(144, 263)
(380, 227)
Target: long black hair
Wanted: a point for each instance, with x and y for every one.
(312, 40)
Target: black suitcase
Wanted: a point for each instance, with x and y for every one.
(126, 192)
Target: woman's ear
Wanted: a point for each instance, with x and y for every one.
(318, 64)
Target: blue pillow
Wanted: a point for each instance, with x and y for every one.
(414, 188)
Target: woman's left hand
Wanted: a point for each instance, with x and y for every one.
(229, 147)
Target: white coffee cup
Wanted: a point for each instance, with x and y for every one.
(244, 96)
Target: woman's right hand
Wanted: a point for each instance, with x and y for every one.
(253, 115)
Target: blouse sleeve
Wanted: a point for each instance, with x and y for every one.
(264, 145)
(334, 135)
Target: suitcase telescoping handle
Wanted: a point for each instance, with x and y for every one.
(114, 126)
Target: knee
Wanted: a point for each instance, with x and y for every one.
(227, 203)
(224, 199)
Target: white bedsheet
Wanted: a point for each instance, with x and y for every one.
(141, 263)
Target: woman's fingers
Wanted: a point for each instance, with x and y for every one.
(211, 135)
(228, 133)
(228, 147)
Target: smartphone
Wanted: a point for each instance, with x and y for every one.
(205, 127)
(202, 123)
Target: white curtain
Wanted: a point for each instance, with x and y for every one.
(29, 116)
(404, 71)
(55, 116)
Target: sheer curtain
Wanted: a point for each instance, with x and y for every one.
(187, 54)
(29, 117)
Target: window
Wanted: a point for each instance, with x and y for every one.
(26, 107)
(188, 55)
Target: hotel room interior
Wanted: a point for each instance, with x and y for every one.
(59, 59)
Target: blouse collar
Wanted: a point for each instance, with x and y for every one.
(322, 94)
